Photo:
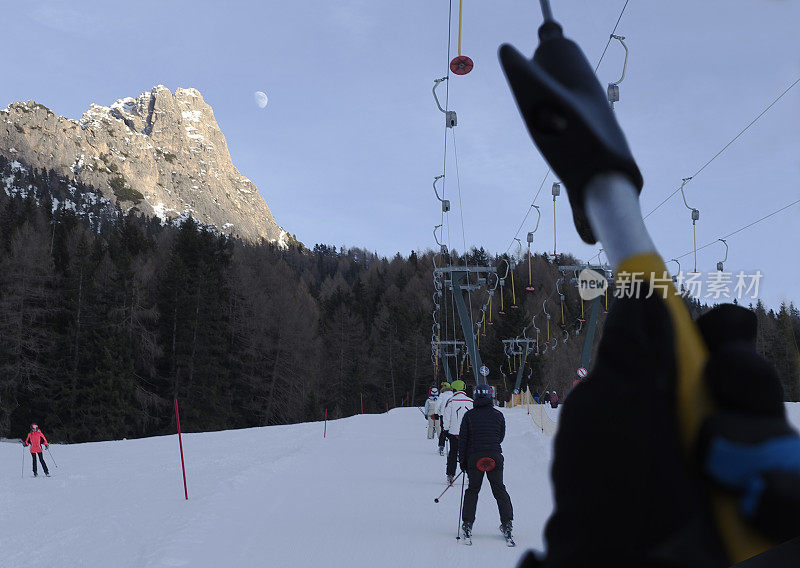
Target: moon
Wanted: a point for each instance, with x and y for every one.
(260, 98)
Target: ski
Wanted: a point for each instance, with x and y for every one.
(509, 541)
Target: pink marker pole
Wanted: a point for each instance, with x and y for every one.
(362, 403)
(325, 428)
(180, 444)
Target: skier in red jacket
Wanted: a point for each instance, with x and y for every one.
(35, 438)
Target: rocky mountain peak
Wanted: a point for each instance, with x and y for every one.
(162, 153)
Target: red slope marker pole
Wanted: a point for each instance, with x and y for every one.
(180, 444)
(325, 428)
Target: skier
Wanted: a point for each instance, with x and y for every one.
(454, 411)
(554, 399)
(545, 398)
(430, 413)
(446, 394)
(482, 431)
(35, 437)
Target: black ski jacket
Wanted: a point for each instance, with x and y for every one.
(482, 431)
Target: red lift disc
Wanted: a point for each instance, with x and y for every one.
(486, 464)
(461, 65)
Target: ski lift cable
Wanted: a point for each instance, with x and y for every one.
(461, 210)
(740, 229)
(445, 220)
(610, 37)
(528, 212)
(548, 14)
(726, 146)
(444, 164)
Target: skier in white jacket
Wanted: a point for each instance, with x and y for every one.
(430, 413)
(454, 411)
(445, 395)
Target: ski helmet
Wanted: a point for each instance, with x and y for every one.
(34, 426)
(458, 385)
(482, 392)
(434, 391)
(446, 386)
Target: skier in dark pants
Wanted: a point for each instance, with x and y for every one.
(482, 430)
(35, 438)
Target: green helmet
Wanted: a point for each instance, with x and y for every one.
(446, 386)
(459, 385)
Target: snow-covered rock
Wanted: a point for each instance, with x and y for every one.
(158, 150)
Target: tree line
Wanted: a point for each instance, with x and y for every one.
(103, 324)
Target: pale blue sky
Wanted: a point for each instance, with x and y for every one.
(348, 146)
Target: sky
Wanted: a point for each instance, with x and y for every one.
(347, 148)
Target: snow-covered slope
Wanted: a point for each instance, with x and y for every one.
(278, 496)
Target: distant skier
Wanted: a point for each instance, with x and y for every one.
(554, 399)
(454, 411)
(430, 413)
(480, 435)
(34, 439)
(445, 395)
(545, 398)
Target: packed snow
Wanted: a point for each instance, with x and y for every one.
(191, 115)
(277, 496)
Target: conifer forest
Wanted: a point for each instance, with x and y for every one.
(105, 323)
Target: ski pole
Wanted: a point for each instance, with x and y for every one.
(23, 462)
(446, 488)
(51, 455)
(460, 508)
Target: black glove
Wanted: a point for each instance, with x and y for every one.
(641, 485)
(748, 446)
(652, 493)
(568, 116)
(462, 465)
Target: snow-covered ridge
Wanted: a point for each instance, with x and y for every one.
(89, 205)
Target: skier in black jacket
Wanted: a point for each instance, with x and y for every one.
(482, 430)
